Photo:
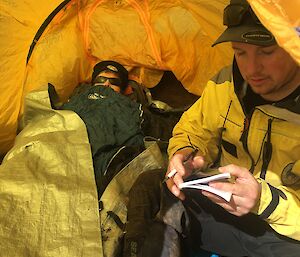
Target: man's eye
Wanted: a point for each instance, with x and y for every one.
(269, 52)
(239, 53)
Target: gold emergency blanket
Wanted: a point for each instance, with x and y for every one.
(48, 197)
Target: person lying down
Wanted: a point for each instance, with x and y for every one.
(116, 124)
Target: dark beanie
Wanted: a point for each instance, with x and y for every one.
(111, 66)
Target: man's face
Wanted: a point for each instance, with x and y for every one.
(270, 71)
(109, 79)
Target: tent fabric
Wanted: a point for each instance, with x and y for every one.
(48, 196)
(146, 36)
(19, 22)
(282, 18)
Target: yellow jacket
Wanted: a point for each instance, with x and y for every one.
(270, 131)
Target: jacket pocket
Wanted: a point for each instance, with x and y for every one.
(229, 147)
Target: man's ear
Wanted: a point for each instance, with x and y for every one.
(128, 90)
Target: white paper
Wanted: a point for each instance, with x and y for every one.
(201, 184)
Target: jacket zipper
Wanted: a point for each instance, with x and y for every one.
(267, 145)
(267, 151)
(244, 138)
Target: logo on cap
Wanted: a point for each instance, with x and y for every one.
(112, 68)
(258, 36)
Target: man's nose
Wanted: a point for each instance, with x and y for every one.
(254, 65)
(106, 83)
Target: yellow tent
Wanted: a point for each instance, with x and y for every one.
(58, 42)
(146, 36)
(150, 35)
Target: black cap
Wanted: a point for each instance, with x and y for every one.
(112, 66)
(243, 26)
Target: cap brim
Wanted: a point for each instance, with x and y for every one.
(256, 35)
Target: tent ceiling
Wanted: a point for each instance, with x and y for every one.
(145, 36)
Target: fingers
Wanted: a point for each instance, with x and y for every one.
(245, 186)
(178, 179)
(175, 190)
(179, 168)
(224, 186)
(176, 164)
(175, 179)
(181, 165)
(245, 191)
(235, 206)
(236, 171)
(198, 162)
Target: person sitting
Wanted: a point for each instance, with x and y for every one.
(246, 123)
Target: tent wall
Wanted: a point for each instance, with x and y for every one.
(151, 35)
(19, 21)
(146, 36)
(282, 18)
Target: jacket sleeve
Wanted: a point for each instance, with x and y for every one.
(279, 206)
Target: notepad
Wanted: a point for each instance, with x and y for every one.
(202, 184)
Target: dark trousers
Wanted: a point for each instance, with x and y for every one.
(214, 229)
(145, 235)
(161, 225)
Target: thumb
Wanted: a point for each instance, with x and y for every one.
(236, 171)
(198, 162)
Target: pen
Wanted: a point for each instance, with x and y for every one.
(190, 156)
(170, 175)
(174, 171)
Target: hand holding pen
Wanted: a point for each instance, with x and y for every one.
(188, 158)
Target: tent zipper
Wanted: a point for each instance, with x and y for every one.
(44, 26)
